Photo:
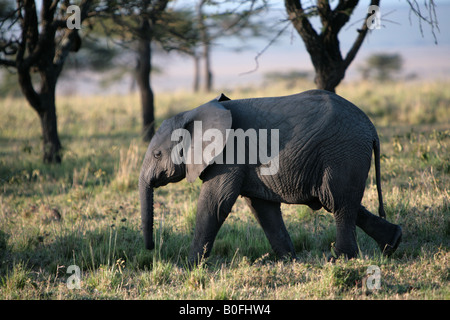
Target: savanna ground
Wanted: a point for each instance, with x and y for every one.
(85, 212)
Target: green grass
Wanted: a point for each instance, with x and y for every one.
(85, 212)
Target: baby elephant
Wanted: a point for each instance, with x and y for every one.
(320, 155)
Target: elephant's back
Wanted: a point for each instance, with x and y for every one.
(312, 107)
(329, 106)
(311, 120)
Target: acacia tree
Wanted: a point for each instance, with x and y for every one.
(145, 34)
(138, 23)
(324, 48)
(212, 22)
(381, 66)
(35, 42)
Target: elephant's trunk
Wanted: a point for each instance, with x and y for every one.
(146, 197)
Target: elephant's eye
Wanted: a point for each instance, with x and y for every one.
(157, 154)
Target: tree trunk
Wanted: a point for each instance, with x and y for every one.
(325, 82)
(196, 73)
(51, 143)
(47, 114)
(39, 50)
(208, 72)
(324, 50)
(205, 40)
(143, 69)
(44, 104)
(328, 72)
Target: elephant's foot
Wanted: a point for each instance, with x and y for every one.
(390, 247)
(336, 254)
(289, 257)
(387, 235)
(333, 257)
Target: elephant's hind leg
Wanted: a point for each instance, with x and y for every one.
(269, 217)
(386, 234)
(341, 193)
(346, 232)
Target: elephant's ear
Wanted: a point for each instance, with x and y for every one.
(207, 125)
(222, 97)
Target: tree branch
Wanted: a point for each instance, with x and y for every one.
(360, 38)
(160, 6)
(431, 19)
(30, 32)
(69, 37)
(28, 90)
(36, 43)
(7, 62)
(342, 13)
(300, 20)
(325, 13)
(259, 54)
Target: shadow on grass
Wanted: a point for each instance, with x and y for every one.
(92, 249)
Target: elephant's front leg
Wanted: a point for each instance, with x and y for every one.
(214, 205)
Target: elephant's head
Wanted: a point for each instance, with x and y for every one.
(162, 160)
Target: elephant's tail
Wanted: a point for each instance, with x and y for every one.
(376, 150)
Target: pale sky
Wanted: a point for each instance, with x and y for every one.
(399, 33)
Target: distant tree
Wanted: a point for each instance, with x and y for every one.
(213, 22)
(38, 42)
(289, 78)
(139, 24)
(138, 21)
(381, 66)
(323, 47)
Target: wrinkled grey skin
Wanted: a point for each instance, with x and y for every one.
(326, 146)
